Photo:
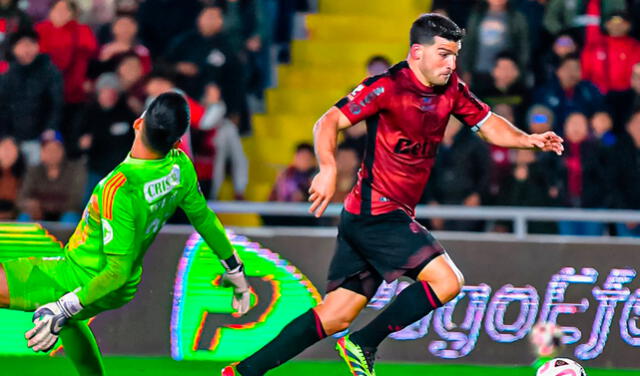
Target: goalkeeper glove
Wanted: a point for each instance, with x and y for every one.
(235, 278)
(49, 319)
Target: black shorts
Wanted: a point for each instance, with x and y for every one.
(372, 248)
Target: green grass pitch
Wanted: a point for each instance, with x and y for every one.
(126, 366)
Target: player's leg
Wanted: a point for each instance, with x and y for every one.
(398, 245)
(4, 289)
(350, 287)
(334, 314)
(438, 282)
(81, 347)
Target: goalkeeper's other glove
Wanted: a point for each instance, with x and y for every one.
(234, 277)
(49, 319)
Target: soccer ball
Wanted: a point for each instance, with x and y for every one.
(546, 339)
(561, 367)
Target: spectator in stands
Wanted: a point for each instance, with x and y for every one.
(292, 185)
(568, 93)
(630, 103)
(106, 130)
(12, 19)
(71, 45)
(130, 73)
(527, 186)
(461, 173)
(602, 129)
(204, 55)
(504, 85)
(125, 31)
(545, 68)
(626, 174)
(581, 176)
(494, 26)
(539, 119)
(162, 20)
(121, 8)
(575, 16)
(12, 168)
(377, 64)
(608, 63)
(228, 147)
(52, 190)
(30, 95)
(348, 162)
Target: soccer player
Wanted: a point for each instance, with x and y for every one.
(102, 263)
(406, 110)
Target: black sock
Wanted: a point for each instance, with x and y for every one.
(412, 304)
(302, 332)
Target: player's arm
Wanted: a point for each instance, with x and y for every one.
(363, 102)
(325, 138)
(205, 221)
(498, 131)
(494, 128)
(118, 232)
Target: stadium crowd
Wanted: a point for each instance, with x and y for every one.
(74, 76)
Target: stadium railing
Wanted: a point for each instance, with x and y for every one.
(519, 216)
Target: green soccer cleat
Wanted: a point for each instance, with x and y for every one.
(359, 361)
(230, 370)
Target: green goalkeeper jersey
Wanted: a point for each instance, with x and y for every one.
(127, 210)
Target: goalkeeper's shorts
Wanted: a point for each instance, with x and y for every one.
(35, 281)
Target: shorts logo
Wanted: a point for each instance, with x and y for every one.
(163, 186)
(107, 232)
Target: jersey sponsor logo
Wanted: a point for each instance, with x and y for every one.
(107, 232)
(425, 149)
(155, 189)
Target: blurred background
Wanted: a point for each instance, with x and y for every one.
(74, 75)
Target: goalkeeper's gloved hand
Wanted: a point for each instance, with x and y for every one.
(49, 319)
(234, 277)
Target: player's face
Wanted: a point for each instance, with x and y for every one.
(438, 60)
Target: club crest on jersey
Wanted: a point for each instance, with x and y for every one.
(426, 104)
(162, 186)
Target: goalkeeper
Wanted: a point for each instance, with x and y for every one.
(102, 263)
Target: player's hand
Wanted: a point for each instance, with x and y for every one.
(547, 141)
(323, 186)
(237, 280)
(48, 321)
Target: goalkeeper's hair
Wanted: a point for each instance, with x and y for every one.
(165, 121)
(431, 25)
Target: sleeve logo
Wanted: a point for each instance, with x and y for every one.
(107, 232)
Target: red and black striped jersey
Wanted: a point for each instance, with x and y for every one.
(405, 124)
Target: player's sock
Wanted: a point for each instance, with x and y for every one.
(81, 347)
(412, 304)
(302, 332)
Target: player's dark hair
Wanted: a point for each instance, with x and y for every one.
(304, 146)
(431, 25)
(165, 121)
